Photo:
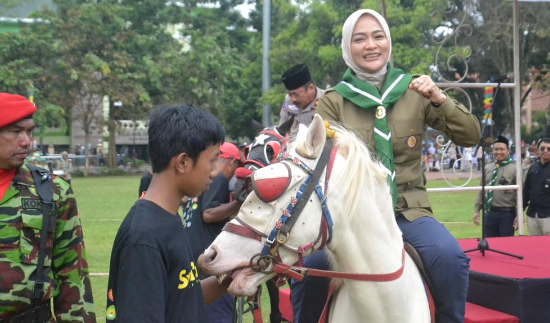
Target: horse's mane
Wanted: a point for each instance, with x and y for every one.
(362, 175)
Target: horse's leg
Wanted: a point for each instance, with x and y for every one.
(273, 290)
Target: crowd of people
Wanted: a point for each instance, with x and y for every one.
(153, 268)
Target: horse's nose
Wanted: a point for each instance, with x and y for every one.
(207, 257)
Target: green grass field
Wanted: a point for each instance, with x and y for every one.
(104, 201)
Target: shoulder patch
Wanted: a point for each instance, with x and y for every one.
(32, 190)
(31, 203)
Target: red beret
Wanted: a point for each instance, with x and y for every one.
(14, 108)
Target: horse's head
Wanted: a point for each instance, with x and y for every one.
(261, 152)
(267, 145)
(248, 243)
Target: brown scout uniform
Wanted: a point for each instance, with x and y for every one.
(506, 175)
(407, 120)
(301, 116)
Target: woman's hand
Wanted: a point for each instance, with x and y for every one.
(427, 88)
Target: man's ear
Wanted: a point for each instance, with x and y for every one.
(234, 164)
(183, 162)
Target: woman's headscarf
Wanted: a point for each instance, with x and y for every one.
(347, 32)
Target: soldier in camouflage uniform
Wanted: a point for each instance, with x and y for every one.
(67, 282)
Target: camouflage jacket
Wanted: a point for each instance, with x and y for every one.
(67, 278)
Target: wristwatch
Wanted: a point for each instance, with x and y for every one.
(439, 105)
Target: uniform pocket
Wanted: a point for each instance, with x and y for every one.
(407, 141)
(415, 199)
(31, 227)
(414, 127)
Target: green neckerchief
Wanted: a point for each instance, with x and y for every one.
(367, 96)
(488, 204)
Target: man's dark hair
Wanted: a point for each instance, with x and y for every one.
(181, 129)
(546, 140)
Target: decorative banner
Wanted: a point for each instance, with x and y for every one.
(31, 92)
(487, 101)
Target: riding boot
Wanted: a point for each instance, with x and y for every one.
(275, 317)
(273, 291)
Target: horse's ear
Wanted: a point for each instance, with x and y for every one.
(257, 126)
(316, 137)
(285, 127)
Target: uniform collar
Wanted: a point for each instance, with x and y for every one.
(23, 176)
(313, 104)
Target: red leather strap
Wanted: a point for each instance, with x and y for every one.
(242, 231)
(242, 172)
(254, 162)
(298, 273)
(330, 164)
(324, 314)
(431, 302)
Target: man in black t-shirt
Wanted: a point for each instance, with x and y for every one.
(153, 274)
(536, 192)
(212, 211)
(144, 183)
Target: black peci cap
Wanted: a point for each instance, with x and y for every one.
(296, 76)
(503, 140)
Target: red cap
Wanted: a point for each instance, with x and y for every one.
(229, 150)
(14, 108)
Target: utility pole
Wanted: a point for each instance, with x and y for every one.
(383, 9)
(266, 68)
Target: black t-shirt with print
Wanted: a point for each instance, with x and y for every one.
(153, 277)
(201, 234)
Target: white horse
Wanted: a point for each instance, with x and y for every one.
(365, 237)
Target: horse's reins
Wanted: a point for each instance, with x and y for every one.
(280, 233)
(274, 240)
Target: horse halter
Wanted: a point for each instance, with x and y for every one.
(279, 235)
(266, 138)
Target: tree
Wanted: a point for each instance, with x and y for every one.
(23, 60)
(90, 39)
(491, 42)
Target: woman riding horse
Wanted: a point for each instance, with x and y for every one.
(389, 110)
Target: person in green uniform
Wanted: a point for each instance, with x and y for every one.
(36, 280)
(500, 206)
(390, 110)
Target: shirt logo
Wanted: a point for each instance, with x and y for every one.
(187, 278)
(30, 203)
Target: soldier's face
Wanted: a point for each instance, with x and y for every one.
(302, 96)
(15, 143)
(370, 48)
(500, 151)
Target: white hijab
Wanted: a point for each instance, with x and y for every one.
(347, 31)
